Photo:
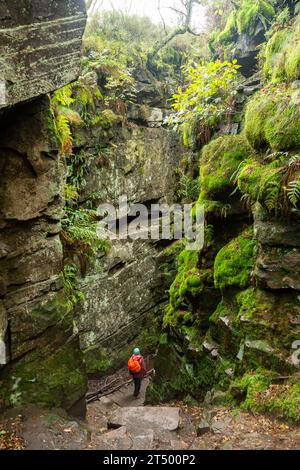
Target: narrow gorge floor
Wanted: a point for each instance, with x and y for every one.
(120, 422)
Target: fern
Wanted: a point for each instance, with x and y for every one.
(71, 193)
(293, 192)
(63, 134)
(272, 191)
(63, 117)
(209, 234)
(63, 97)
(80, 231)
(294, 160)
(226, 208)
(69, 282)
(246, 200)
(235, 175)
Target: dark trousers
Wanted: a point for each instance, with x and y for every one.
(137, 385)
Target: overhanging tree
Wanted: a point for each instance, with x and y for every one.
(185, 14)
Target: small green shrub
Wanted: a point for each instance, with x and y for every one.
(206, 97)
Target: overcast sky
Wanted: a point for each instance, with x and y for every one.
(150, 8)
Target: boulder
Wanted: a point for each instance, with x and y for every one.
(115, 440)
(275, 232)
(278, 268)
(122, 439)
(143, 418)
(40, 49)
(203, 428)
(246, 49)
(40, 46)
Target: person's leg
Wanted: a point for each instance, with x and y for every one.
(137, 386)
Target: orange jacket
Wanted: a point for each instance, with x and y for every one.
(142, 372)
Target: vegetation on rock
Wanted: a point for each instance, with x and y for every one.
(234, 262)
(218, 162)
(243, 19)
(248, 330)
(270, 111)
(187, 283)
(282, 54)
(207, 97)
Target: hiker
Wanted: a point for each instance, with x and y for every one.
(137, 368)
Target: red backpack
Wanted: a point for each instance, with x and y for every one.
(134, 365)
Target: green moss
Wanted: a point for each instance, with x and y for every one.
(249, 386)
(247, 301)
(250, 11)
(97, 360)
(267, 114)
(45, 378)
(243, 20)
(282, 54)
(262, 183)
(190, 379)
(235, 261)
(260, 107)
(221, 328)
(222, 310)
(225, 36)
(260, 313)
(219, 160)
(187, 282)
(282, 400)
(274, 69)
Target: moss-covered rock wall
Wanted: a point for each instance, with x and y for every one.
(233, 317)
(40, 361)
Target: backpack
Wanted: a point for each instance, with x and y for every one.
(134, 365)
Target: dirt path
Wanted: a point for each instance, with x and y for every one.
(120, 422)
(124, 397)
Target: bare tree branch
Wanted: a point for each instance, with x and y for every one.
(112, 5)
(161, 16)
(128, 8)
(88, 4)
(185, 27)
(93, 6)
(179, 12)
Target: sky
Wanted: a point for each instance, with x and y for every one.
(150, 8)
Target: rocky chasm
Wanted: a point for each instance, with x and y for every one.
(223, 321)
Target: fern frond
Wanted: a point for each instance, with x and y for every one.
(209, 231)
(63, 96)
(235, 175)
(293, 192)
(293, 160)
(72, 116)
(225, 209)
(272, 191)
(246, 200)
